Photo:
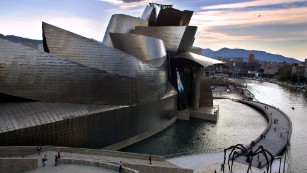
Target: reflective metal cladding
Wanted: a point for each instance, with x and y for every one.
(35, 75)
(120, 23)
(148, 49)
(85, 93)
(174, 37)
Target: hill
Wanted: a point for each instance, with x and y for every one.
(242, 53)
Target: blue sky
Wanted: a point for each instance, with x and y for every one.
(275, 26)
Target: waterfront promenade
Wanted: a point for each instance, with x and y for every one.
(91, 160)
(275, 137)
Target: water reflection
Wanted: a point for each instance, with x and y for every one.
(198, 136)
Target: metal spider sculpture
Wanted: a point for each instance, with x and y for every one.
(240, 150)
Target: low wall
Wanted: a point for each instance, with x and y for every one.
(105, 165)
(158, 169)
(16, 165)
(10, 151)
(103, 153)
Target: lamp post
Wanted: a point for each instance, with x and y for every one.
(286, 151)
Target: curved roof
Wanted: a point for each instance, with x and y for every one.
(201, 60)
(176, 38)
(120, 23)
(148, 49)
(32, 74)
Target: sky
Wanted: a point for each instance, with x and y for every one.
(275, 26)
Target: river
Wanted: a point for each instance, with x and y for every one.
(237, 123)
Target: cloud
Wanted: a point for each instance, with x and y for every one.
(239, 18)
(125, 4)
(254, 3)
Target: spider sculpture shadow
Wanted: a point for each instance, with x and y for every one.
(240, 150)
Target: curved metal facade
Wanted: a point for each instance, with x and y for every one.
(173, 17)
(120, 23)
(173, 36)
(148, 49)
(91, 94)
(145, 80)
(35, 75)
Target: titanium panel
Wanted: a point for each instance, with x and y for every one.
(147, 81)
(120, 23)
(81, 125)
(173, 36)
(35, 75)
(201, 60)
(150, 14)
(186, 17)
(148, 49)
(174, 17)
(187, 39)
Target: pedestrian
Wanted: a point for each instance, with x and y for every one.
(38, 149)
(149, 159)
(56, 160)
(120, 168)
(44, 159)
(59, 155)
(214, 171)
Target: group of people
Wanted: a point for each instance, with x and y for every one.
(57, 157)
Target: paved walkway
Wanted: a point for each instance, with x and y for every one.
(100, 158)
(275, 137)
(71, 168)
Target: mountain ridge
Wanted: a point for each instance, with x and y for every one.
(243, 53)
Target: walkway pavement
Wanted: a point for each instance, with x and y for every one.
(275, 138)
(100, 158)
(71, 168)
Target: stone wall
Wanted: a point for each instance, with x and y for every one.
(17, 165)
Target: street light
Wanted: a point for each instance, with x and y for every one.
(286, 150)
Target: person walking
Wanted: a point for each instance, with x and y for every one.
(56, 160)
(38, 149)
(149, 159)
(120, 168)
(44, 159)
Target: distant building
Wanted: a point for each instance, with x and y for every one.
(283, 67)
(238, 60)
(251, 58)
(269, 69)
(298, 71)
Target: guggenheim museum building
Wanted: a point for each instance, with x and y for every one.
(79, 92)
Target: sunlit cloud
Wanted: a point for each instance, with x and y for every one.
(253, 3)
(256, 17)
(124, 4)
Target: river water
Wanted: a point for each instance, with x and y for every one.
(237, 123)
(285, 99)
